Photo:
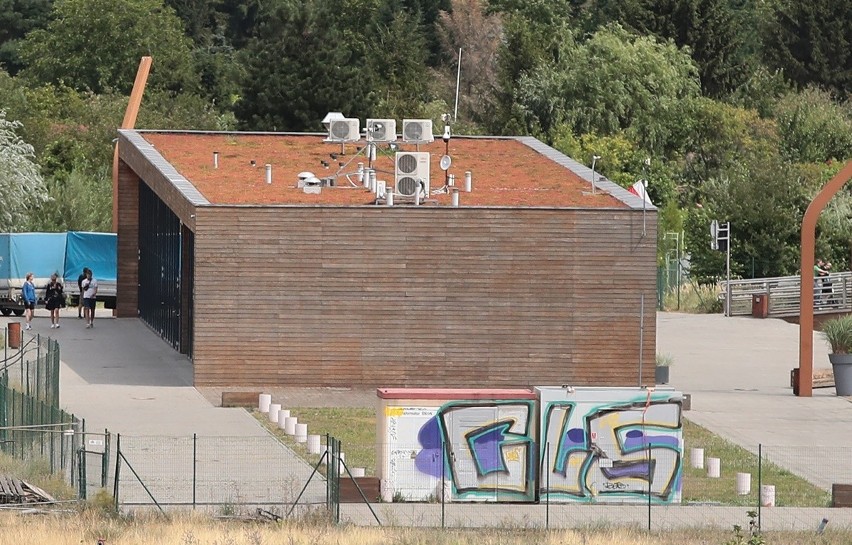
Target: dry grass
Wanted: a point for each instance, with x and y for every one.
(88, 526)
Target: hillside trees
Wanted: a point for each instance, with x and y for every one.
(811, 42)
(95, 45)
(21, 183)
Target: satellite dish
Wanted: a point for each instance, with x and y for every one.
(446, 161)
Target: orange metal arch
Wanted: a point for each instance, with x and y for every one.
(129, 122)
(806, 292)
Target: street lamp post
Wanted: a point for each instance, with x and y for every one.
(594, 160)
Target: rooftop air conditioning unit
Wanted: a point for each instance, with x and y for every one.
(381, 130)
(412, 170)
(417, 131)
(344, 130)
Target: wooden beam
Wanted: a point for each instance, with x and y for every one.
(806, 293)
(129, 122)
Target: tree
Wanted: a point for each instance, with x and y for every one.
(21, 183)
(303, 63)
(812, 43)
(17, 18)
(813, 127)
(96, 45)
(711, 29)
(614, 81)
(478, 35)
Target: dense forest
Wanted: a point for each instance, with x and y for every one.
(742, 106)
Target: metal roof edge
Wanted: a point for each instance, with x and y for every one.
(184, 186)
(601, 182)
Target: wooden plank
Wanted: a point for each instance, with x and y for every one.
(240, 399)
(841, 495)
(369, 486)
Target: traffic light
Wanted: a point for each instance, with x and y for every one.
(720, 235)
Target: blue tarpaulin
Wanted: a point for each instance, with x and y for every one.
(97, 251)
(63, 253)
(39, 253)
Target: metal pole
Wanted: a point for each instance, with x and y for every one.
(649, 487)
(117, 469)
(547, 473)
(759, 479)
(458, 83)
(194, 466)
(728, 266)
(641, 333)
(443, 485)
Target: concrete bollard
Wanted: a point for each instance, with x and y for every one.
(767, 495)
(282, 418)
(301, 433)
(314, 446)
(714, 468)
(743, 483)
(357, 471)
(290, 425)
(273, 412)
(263, 402)
(696, 458)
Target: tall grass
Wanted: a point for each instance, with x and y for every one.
(87, 527)
(694, 298)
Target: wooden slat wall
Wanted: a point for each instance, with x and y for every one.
(127, 274)
(409, 296)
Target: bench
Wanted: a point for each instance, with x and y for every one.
(841, 495)
(349, 493)
(240, 399)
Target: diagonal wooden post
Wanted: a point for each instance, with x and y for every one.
(806, 289)
(128, 123)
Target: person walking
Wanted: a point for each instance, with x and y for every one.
(29, 296)
(90, 287)
(80, 308)
(54, 297)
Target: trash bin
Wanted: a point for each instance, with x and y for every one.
(14, 334)
(760, 305)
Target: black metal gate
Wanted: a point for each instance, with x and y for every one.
(160, 301)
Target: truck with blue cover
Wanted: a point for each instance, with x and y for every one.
(62, 253)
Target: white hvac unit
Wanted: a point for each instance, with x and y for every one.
(344, 130)
(417, 131)
(381, 130)
(411, 173)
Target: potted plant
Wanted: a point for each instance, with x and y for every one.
(661, 369)
(838, 333)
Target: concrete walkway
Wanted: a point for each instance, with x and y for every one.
(122, 377)
(738, 372)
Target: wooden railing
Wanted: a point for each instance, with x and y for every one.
(832, 294)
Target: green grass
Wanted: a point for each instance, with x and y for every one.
(790, 490)
(356, 429)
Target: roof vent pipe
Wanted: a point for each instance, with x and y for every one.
(215, 159)
(366, 179)
(381, 188)
(468, 181)
(451, 180)
(373, 180)
(454, 197)
(268, 173)
(389, 198)
(360, 173)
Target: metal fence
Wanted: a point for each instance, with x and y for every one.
(651, 488)
(31, 429)
(32, 366)
(225, 474)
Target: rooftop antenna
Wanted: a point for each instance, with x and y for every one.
(594, 160)
(458, 81)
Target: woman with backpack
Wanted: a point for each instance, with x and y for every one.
(54, 296)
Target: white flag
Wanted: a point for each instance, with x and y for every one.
(638, 189)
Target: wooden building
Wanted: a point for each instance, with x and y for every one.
(534, 278)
